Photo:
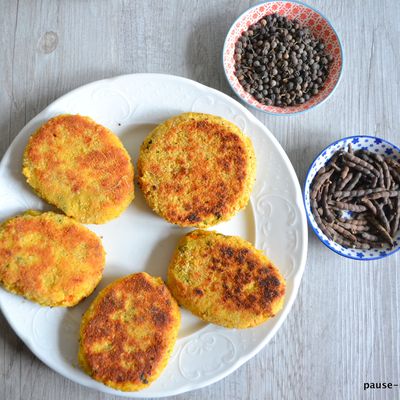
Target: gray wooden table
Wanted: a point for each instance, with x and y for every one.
(344, 328)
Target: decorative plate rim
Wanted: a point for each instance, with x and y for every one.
(295, 278)
(342, 56)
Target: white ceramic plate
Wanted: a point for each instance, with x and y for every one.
(275, 221)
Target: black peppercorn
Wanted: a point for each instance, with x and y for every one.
(280, 62)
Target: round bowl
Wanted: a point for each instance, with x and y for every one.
(307, 16)
(370, 143)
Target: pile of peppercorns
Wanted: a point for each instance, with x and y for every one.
(280, 62)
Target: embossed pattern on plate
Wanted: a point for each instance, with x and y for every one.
(139, 240)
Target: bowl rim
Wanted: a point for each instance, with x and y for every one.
(308, 212)
(294, 112)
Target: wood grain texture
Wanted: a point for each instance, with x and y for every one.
(344, 328)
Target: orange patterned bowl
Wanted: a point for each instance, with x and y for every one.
(307, 16)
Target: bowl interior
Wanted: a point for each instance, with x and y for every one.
(369, 143)
(307, 16)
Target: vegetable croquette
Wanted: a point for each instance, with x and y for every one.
(80, 167)
(128, 333)
(225, 280)
(196, 170)
(49, 258)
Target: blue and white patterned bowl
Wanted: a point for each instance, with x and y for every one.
(370, 143)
